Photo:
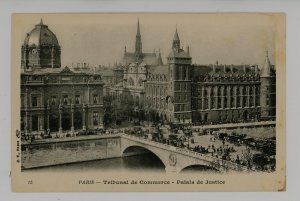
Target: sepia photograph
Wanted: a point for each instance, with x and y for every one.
(148, 102)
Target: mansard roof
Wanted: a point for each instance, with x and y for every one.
(225, 71)
(179, 54)
(65, 70)
(162, 69)
(148, 58)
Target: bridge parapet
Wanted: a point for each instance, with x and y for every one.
(216, 163)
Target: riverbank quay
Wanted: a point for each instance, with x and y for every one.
(52, 151)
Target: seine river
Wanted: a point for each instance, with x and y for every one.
(146, 162)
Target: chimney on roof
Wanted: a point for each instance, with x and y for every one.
(188, 50)
(231, 68)
(224, 68)
(244, 68)
(125, 49)
(214, 68)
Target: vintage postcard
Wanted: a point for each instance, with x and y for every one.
(148, 102)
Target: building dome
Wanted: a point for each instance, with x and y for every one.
(40, 48)
(41, 35)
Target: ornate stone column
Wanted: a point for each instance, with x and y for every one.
(202, 98)
(216, 96)
(60, 118)
(209, 97)
(229, 97)
(242, 97)
(26, 112)
(222, 97)
(48, 117)
(72, 118)
(235, 96)
(254, 96)
(52, 56)
(83, 117)
(248, 96)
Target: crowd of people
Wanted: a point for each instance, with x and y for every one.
(184, 140)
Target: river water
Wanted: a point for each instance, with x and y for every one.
(145, 162)
(138, 163)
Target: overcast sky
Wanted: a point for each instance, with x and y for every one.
(99, 39)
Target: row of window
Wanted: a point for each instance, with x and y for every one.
(225, 91)
(232, 102)
(180, 107)
(181, 73)
(181, 97)
(36, 100)
(181, 86)
(77, 100)
(156, 90)
(35, 121)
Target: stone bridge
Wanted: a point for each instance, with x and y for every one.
(176, 159)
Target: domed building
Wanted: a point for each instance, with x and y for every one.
(40, 49)
(54, 99)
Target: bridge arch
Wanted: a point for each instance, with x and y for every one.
(176, 159)
(135, 149)
(198, 167)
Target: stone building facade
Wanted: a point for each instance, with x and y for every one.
(224, 93)
(55, 99)
(180, 91)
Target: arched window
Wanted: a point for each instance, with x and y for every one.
(212, 98)
(251, 97)
(245, 97)
(219, 97)
(231, 97)
(225, 97)
(131, 82)
(140, 82)
(238, 97)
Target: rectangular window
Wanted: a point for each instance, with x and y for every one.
(34, 101)
(77, 99)
(95, 99)
(95, 118)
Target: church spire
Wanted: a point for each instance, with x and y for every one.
(138, 41)
(266, 69)
(176, 41)
(159, 59)
(138, 33)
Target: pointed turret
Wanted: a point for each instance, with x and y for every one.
(176, 37)
(266, 69)
(41, 23)
(159, 59)
(176, 41)
(267, 91)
